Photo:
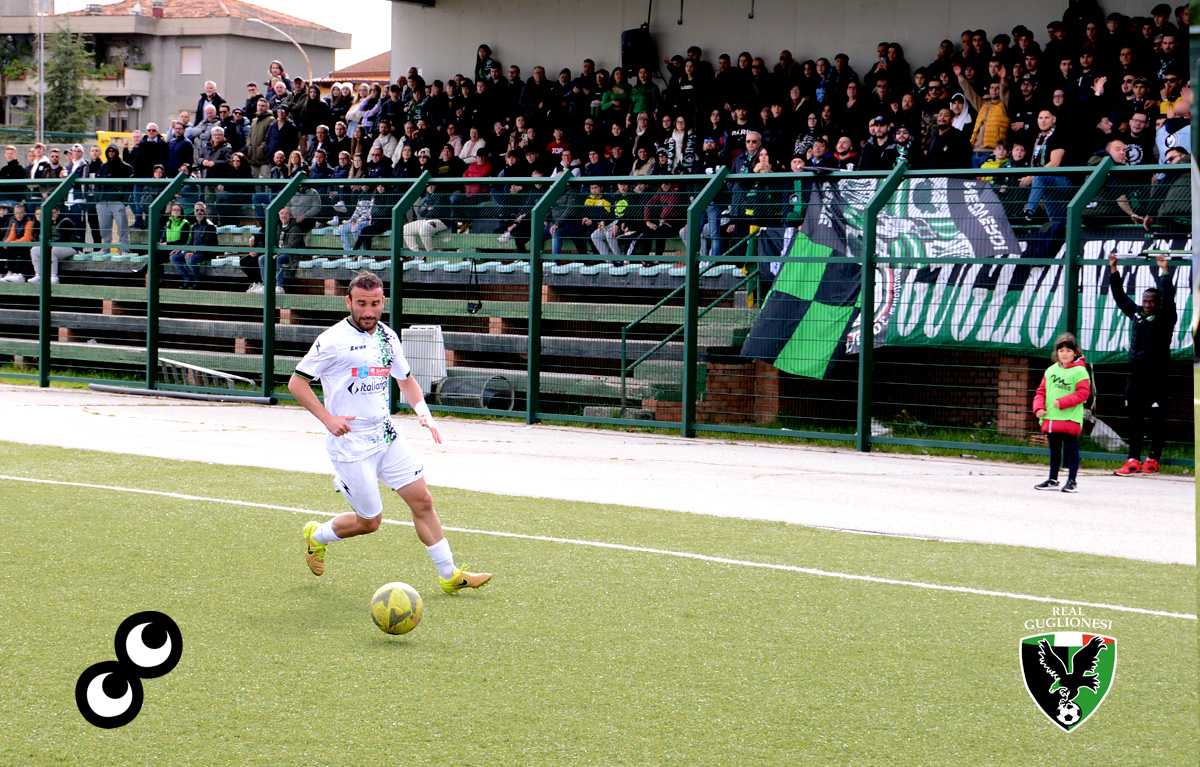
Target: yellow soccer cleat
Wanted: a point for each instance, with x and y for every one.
(464, 580)
(314, 553)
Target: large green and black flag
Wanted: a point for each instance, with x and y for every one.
(815, 293)
(810, 314)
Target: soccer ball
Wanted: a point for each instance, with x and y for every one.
(1068, 712)
(396, 608)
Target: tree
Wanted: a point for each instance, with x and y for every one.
(72, 106)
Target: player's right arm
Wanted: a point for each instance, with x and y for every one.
(302, 391)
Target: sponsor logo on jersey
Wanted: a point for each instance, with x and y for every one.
(369, 372)
(371, 387)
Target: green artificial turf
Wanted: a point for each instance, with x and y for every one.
(575, 654)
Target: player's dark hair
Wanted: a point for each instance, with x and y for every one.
(367, 281)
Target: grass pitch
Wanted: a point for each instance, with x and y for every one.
(575, 654)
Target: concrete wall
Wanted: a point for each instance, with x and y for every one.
(20, 7)
(230, 62)
(561, 33)
(234, 52)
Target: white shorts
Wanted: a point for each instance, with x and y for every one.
(359, 480)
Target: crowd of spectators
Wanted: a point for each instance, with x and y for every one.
(1097, 86)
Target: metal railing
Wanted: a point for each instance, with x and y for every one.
(510, 337)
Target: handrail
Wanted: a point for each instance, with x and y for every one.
(626, 369)
(679, 289)
(268, 277)
(700, 313)
(866, 302)
(1074, 237)
(52, 201)
(537, 242)
(154, 272)
(396, 309)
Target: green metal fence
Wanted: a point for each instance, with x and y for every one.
(730, 303)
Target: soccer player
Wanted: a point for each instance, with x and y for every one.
(354, 360)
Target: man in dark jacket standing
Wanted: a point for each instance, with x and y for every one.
(180, 150)
(877, 153)
(209, 96)
(110, 198)
(1153, 325)
(12, 168)
(151, 151)
(281, 136)
(949, 148)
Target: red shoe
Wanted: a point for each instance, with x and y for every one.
(1150, 466)
(1132, 466)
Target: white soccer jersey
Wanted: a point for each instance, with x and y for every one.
(353, 368)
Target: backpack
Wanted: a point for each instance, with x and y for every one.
(1089, 405)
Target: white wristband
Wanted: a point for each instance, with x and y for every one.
(421, 409)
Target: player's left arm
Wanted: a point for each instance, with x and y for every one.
(412, 394)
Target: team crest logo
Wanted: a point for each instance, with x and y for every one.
(1068, 674)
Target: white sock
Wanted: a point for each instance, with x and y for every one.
(441, 556)
(324, 533)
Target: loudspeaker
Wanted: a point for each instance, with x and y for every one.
(638, 50)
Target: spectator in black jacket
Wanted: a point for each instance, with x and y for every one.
(180, 149)
(151, 151)
(314, 112)
(204, 234)
(877, 153)
(209, 96)
(282, 135)
(12, 168)
(950, 148)
(905, 147)
(1153, 326)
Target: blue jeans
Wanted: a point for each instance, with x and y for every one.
(188, 264)
(1056, 203)
(573, 229)
(136, 204)
(260, 201)
(710, 231)
(281, 260)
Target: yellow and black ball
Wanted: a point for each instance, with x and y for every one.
(396, 608)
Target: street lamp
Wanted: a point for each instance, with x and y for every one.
(291, 39)
(43, 9)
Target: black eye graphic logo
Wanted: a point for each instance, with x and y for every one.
(109, 693)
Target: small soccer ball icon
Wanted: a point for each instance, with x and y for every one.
(396, 608)
(1068, 713)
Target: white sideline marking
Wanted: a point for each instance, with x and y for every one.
(639, 549)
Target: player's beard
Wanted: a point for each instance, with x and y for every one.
(365, 323)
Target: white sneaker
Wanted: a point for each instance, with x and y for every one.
(8, 277)
(36, 278)
(255, 288)
(279, 290)
(53, 280)
(504, 238)
(17, 278)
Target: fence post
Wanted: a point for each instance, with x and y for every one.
(270, 235)
(44, 304)
(537, 241)
(1074, 238)
(396, 308)
(866, 298)
(691, 299)
(154, 273)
